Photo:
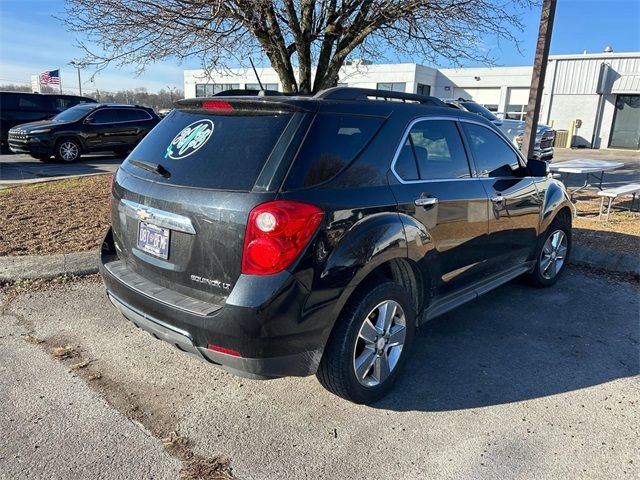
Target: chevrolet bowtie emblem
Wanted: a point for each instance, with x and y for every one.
(143, 214)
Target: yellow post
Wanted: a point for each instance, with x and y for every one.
(550, 123)
(572, 125)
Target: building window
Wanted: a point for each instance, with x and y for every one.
(516, 112)
(256, 86)
(210, 89)
(424, 89)
(392, 86)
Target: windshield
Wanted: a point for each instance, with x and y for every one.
(222, 152)
(73, 114)
(480, 110)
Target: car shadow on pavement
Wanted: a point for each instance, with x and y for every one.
(11, 170)
(503, 348)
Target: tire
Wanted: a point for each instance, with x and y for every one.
(67, 150)
(347, 347)
(553, 253)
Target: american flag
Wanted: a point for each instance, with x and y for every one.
(51, 77)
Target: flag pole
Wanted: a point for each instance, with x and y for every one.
(60, 78)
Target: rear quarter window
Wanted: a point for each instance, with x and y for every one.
(230, 157)
(332, 142)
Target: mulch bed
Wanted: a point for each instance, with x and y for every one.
(72, 216)
(621, 233)
(64, 216)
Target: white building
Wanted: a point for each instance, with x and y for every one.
(602, 90)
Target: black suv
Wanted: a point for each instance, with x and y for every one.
(92, 127)
(278, 236)
(23, 107)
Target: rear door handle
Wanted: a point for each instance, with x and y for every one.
(426, 201)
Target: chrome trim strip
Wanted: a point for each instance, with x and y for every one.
(451, 119)
(157, 217)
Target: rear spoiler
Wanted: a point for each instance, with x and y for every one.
(246, 104)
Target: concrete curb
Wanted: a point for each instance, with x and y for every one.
(14, 268)
(606, 260)
(31, 181)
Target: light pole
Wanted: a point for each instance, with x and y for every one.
(77, 65)
(171, 89)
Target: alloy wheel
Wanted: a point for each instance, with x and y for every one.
(69, 151)
(379, 343)
(554, 254)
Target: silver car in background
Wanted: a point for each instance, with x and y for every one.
(545, 136)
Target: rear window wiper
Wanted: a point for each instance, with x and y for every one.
(151, 167)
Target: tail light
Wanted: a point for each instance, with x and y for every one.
(276, 234)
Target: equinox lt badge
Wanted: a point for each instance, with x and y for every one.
(213, 283)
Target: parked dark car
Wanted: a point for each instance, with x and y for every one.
(473, 107)
(92, 127)
(545, 136)
(286, 236)
(22, 107)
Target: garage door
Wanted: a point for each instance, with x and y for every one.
(484, 96)
(517, 103)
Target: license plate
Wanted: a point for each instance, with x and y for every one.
(153, 240)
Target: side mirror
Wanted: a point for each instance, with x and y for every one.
(538, 168)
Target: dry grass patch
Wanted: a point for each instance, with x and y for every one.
(64, 216)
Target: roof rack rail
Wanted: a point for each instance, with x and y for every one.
(353, 93)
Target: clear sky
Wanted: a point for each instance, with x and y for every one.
(32, 40)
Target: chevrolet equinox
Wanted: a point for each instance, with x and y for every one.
(278, 235)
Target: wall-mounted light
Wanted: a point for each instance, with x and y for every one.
(477, 78)
(447, 88)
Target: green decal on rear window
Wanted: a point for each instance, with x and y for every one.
(190, 139)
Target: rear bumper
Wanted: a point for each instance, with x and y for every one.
(262, 324)
(255, 368)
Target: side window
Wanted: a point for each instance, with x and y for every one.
(436, 150)
(332, 142)
(127, 115)
(105, 115)
(60, 104)
(492, 156)
(405, 166)
(142, 115)
(32, 102)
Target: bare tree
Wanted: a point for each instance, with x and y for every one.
(314, 36)
(139, 96)
(27, 88)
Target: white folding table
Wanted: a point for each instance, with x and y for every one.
(585, 166)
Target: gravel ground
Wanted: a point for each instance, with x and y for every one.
(521, 383)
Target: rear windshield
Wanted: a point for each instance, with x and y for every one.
(223, 152)
(480, 110)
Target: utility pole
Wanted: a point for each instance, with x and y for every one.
(171, 89)
(74, 64)
(537, 79)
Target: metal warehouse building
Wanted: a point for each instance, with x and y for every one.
(601, 90)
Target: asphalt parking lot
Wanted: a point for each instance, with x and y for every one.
(521, 383)
(17, 169)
